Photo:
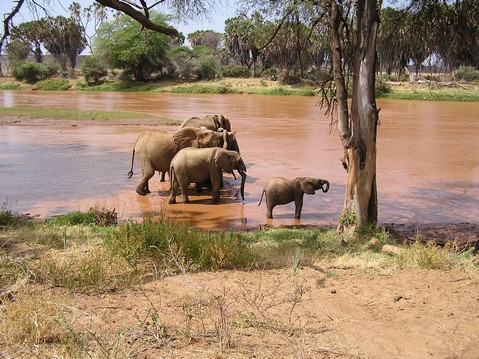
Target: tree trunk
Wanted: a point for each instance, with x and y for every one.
(358, 131)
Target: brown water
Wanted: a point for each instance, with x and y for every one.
(427, 170)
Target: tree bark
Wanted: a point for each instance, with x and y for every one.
(358, 131)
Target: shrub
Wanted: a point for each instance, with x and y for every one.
(32, 72)
(382, 87)
(235, 71)
(169, 244)
(467, 73)
(93, 71)
(206, 68)
(53, 85)
(271, 74)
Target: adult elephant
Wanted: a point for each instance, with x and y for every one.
(156, 149)
(211, 122)
(280, 190)
(192, 165)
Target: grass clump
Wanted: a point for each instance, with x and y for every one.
(52, 85)
(90, 269)
(427, 256)
(171, 245)
(8, 217)
(217, 89)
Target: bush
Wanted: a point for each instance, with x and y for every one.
(32, 72)
(467, 73)
(235, 71)
(206, 68)
(382, 87)
(93, 71)
(53, 85)
(168, 244)
(271, 74)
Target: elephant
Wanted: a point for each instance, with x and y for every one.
(156, 149)
(211, 122)
(199, 164)
(280, 190)
(225, 140)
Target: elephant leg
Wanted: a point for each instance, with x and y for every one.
(173, 192)
(143, 188)
(269, 208)
(298, 207)
(215, 192)
(162, 176)
(184, 192)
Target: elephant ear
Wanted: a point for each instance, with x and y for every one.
(207, 138)
(185, 137)
(307, 187)
(225, 123)
(216, 121)
(224, 161)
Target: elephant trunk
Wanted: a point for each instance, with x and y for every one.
(243, 181)
(327, 186)
(225, 139)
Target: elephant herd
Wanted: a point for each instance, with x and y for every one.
(199, 152)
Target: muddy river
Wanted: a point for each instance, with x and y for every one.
(427, 165)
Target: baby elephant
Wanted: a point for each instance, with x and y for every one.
(280, 190)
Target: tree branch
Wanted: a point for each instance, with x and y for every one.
(142, 18)
(7, 21)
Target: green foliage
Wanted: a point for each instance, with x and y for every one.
(92, 70)
(206, 69)
(235, 71)
(170, 244)
(72, 219)
(7, 216)
(141, 53)
(467, 73)
(32, 72)
(95, 216)
(271, 74)
(183, 58)
(53, 85)
(347, 218)
(204, 88)
(382, 87)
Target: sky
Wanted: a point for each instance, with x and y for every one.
(222, 11)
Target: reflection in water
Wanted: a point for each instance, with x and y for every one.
(428, 170)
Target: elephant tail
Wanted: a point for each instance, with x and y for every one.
(130, 174)
(261, 198)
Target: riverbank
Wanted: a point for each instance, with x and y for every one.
(420, 90)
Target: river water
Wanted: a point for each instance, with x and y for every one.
(427, 163)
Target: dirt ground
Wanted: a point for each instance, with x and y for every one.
(320, 311)
(314, 312)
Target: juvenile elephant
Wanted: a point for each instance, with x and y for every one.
(212, 122)
(280, 190)
(192, 165)
(156, 149)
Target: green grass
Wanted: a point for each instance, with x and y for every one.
(67, 114)
(424, 94)
(217, 89)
